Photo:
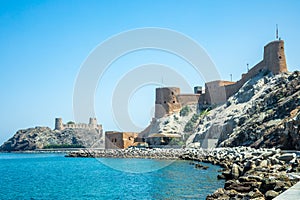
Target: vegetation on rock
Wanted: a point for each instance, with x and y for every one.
(185, 111)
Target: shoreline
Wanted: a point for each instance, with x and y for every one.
(249, 173)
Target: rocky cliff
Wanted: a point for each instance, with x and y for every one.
(174, 123)
(41, 137)
(265, 112)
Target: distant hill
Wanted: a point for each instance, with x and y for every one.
(44, 137)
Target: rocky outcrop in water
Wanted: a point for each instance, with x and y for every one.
(41, 137)
(265, 112)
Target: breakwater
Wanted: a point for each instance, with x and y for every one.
(249, 173)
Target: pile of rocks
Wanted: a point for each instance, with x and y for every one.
(156, 153)
(249, 173)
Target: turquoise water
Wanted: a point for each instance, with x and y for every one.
(52, 176)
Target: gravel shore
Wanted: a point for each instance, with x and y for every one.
(249, 173)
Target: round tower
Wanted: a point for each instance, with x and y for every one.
(274, 57)
(58, 124)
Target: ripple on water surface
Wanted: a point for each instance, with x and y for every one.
(52, 176)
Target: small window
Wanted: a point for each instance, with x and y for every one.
(165, 102)
(172, 93)
(279, 57)
(173, 101)
(281, 47)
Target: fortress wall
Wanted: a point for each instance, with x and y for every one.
(92, 125)
(215, 92)
(187, 99)
(84, 126)
(259, 67)
(232, 89)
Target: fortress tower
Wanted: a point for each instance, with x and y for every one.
(274, 57)
(93, 122)
(58, 124)
(166, 101)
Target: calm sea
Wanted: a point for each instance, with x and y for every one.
(53, 176)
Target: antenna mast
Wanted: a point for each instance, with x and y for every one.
(276, 31)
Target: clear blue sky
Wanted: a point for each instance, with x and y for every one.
(44, 43)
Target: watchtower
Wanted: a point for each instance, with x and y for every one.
(274, 57)
(166, 101)
(58, 124)
(93, 122)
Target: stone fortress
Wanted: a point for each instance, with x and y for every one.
(169, 100)
(59, 125)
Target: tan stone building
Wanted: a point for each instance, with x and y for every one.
(119, 140)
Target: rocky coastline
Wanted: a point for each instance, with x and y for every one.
(249, 173)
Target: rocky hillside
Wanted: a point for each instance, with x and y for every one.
(264, 113)
(175, 123)
(43, 137)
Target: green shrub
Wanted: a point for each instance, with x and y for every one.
(176, 141)
(166, 122)
(195, 118)
(204, 112)
(185, 111)
(189, 127)
(175, 118)
(70, 122)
